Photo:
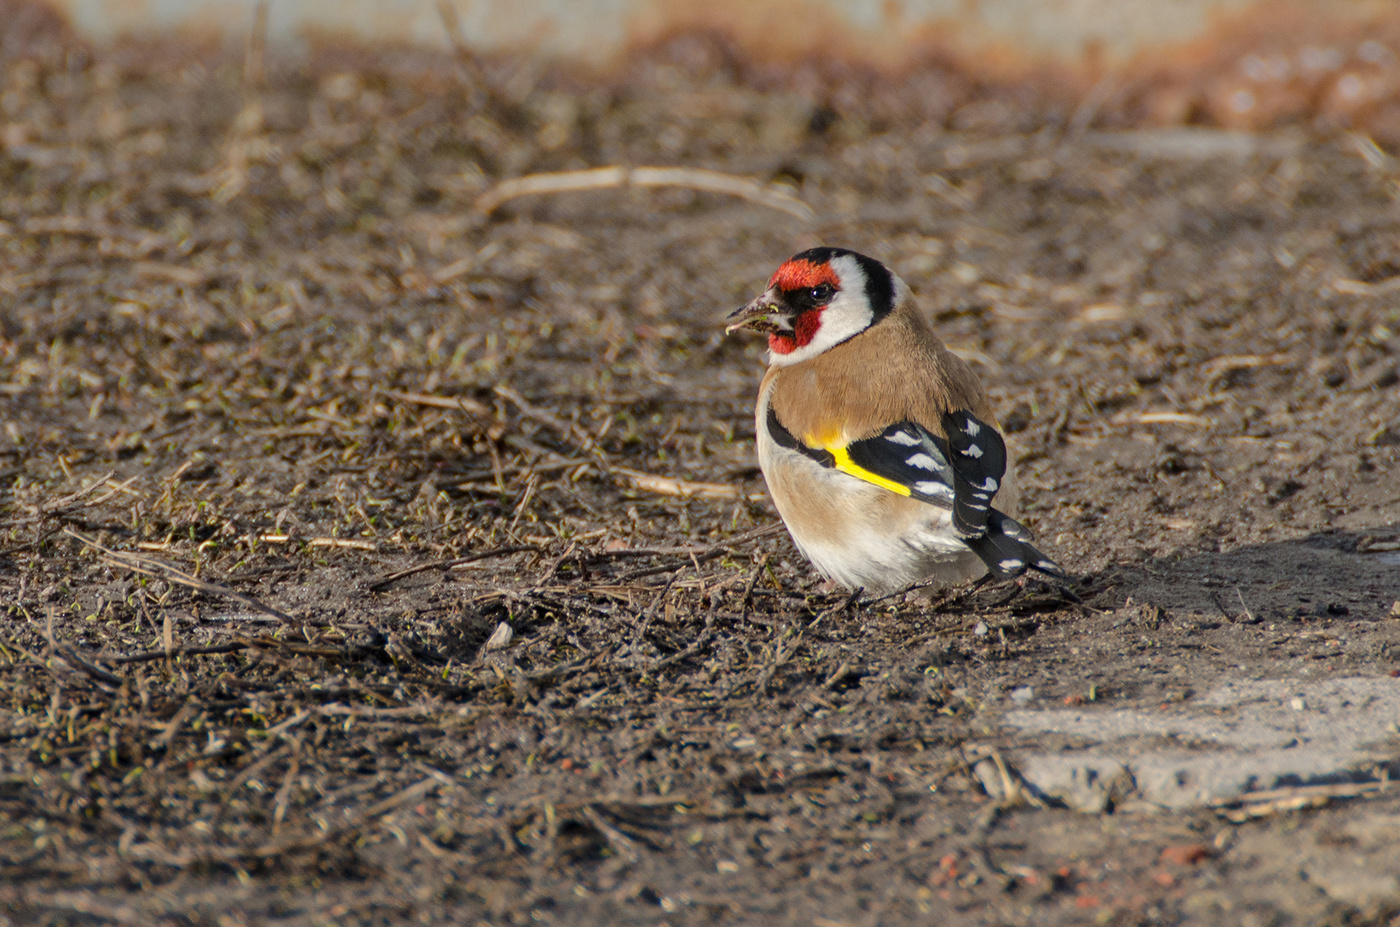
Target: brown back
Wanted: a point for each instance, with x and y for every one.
(895, 371)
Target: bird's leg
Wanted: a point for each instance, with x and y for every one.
(1057, 584)
(954, 597)
(1017, 588)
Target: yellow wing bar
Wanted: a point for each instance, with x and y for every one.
(844, 463)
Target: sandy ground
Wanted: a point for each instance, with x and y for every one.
(259, 353)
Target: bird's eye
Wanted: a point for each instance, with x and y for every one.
(821, 292)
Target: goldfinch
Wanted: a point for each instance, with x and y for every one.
(878, 445)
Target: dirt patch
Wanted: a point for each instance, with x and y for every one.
(261, 338)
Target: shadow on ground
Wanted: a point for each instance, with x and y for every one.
(1334, 574)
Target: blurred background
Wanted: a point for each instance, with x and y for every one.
(1246, 64)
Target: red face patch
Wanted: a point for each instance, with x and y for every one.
(804, 330)
(800, 275)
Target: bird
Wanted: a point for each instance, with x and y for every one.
(879, 446)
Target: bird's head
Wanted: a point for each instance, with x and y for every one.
(817, 300)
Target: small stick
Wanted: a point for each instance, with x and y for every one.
(62, 653)
(847, 603)
(1367, 149)
(693, 647)
(90, 669)
(284, 794)
(530, 410)
(841, 673)
(1325, 790)
(781, 654)
(149, 566)
(59, 506)
(1171, 418)
(746, 603)
(607, 178)
(1244, 606)
(455, 561)
(673, 486)
(342, 542)
(464, 403)
(150, 655)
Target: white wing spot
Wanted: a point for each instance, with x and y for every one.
(990, 484)
(904, 438)
(980, 508)
(931, 488)
(971, 427)
(923, 462)
(1011, 564)
(972, 451)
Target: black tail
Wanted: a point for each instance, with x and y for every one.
(1007, 551)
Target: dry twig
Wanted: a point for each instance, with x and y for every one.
(607, 178)
(673, 486)
(149, 566)
(70, 503)
(1269, 802)
(463, 403)
(383, 581)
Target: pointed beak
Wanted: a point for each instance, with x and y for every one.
(763, 315)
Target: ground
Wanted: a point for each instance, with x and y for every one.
(261, 353)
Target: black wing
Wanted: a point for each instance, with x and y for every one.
(961, 473)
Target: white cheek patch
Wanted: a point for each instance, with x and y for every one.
(846, 316)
